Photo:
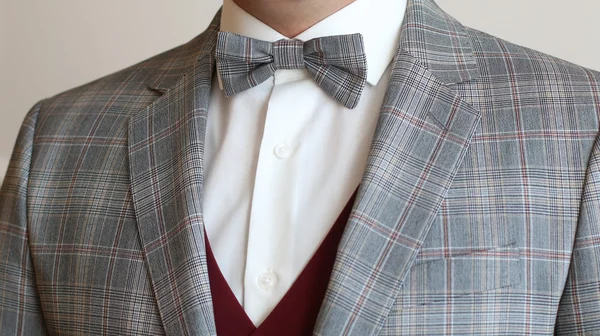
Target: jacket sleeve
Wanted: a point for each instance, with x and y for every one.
(20, 309)
(579, 309)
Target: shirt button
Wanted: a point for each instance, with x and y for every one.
(283, 151)
(267, 280)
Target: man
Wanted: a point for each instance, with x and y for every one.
(387, 172)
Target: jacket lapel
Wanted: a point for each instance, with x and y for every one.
(166, 145)
(423, 132)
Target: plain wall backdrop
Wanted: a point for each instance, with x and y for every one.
(47, 47)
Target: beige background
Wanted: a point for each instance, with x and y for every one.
(47, 47)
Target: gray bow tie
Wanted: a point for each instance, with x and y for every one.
(336, 63)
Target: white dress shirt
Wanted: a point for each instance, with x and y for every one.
(283, 158)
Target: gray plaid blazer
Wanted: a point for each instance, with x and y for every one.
(478, 212)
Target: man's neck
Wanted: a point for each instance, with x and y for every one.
(291, 17)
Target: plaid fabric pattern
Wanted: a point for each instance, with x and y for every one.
(337, 63)
(478, 213)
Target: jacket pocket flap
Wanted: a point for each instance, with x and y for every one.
(479, 271)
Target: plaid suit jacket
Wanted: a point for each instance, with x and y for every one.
(478, 212)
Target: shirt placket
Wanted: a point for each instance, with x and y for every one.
(268, 259)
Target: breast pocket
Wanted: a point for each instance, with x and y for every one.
(461, 275)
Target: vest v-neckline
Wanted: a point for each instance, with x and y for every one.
(296, 313)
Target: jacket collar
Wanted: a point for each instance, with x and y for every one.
(423, 132)
(439, 42)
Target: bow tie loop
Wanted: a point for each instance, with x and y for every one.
(288, 54)
(336, 63)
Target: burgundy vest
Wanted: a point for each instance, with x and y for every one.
(297, 311)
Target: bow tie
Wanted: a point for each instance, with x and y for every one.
(336, 63)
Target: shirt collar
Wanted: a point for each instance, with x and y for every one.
(378, 21)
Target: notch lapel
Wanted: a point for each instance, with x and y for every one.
(423, 132)
(166, 146)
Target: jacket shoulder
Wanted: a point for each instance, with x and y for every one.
(122, 84)
(499, 60)
(102, 107)
(542, 94)
(126, 90)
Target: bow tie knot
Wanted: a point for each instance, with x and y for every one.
(336, 63)
(288, 54)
